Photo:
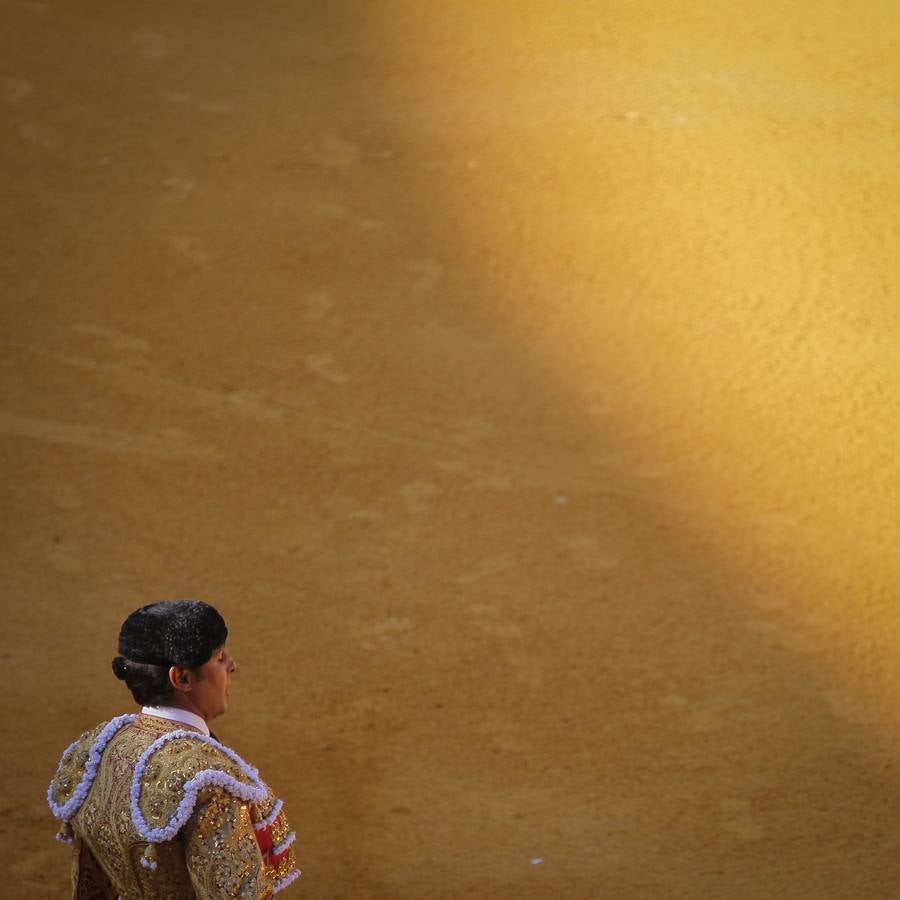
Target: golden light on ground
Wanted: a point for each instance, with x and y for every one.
(689, 212)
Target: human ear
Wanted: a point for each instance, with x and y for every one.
(180, 678)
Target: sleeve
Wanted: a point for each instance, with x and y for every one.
(89, 881)
(221, 851)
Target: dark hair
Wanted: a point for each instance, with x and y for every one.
(172, 633)
(149, 684)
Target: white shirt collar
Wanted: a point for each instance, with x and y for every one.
(173, 714)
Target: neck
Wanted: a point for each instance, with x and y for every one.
(183, 701)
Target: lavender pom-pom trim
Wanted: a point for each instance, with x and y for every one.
(63, 839)
(254, 792)
(68, 809)
(148, 863)
(271, 817)
(282, 883)
(277, 851)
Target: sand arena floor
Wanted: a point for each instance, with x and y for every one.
(521, 381)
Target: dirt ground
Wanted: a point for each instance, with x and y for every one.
(521, 382)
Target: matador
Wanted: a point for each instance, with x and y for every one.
(152, 803)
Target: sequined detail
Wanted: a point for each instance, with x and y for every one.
(282, 846)
(280, 831)
(224, 857)
(282, 883)
(285, 873)
(266, 812)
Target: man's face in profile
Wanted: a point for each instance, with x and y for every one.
(210, 685)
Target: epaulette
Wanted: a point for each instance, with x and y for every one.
(77, 770)
(170, 775)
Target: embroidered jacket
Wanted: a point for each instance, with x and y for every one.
(156, 810)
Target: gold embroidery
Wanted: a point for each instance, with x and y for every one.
(89, 881)
(285, 867)
(167, 771)
(280, 830)
(71, 769)
(263, 809)
(223, 856)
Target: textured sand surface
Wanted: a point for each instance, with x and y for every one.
(521, 381)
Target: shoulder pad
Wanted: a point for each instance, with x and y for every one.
(172, 772)
(78, 767)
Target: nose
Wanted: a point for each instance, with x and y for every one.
(232, 665)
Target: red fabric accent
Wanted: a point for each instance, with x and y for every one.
(266, 844)
(264, 839)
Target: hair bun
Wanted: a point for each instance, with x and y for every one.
(120, 668)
